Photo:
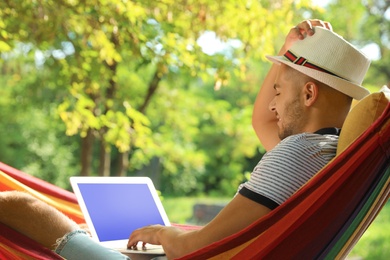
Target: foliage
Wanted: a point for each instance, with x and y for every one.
(31, 134)
(375, 31)
(134, 82)
(120, 87)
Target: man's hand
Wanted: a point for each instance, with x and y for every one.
(303, 29)
(146, 234)
(158, 235)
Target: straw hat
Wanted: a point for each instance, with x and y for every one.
(328, 58)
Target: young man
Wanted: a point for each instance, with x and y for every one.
(301, 105)
(299, 110)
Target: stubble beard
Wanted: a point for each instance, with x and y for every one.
(292, 119)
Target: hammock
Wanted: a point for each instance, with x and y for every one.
(324, 219)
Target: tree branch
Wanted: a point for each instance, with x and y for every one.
(153, 85)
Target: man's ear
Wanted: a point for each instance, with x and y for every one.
(310, 92)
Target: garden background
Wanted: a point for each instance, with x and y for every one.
(160, 88)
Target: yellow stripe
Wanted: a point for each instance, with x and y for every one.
(16, 255)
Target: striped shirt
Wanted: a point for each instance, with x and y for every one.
(284, 169)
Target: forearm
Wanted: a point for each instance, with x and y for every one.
(177, 243)
(237, 215)
(263, 120)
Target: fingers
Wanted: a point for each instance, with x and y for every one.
(135, 246)
(303, 29)
(307, 27)
(146, 234)
(132, 243)
(315, 22)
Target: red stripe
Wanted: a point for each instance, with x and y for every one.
(305, 63)
(25, 247)
(289, 55)
(301, 61)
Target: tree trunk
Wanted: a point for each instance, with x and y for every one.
(123, 163)
(105, 151)
(152, 88)
(105, 159)
(86, 153)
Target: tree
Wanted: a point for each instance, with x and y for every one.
(375, 30)
(364, 23)
(31, 133)
(119, 59)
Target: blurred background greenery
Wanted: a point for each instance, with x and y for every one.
(157, 88)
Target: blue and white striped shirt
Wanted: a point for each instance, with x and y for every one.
(284, 169)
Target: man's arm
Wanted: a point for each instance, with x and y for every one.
(263, 120)
(34, 218)
(237, 215)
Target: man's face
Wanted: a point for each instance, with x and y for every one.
(287, 104)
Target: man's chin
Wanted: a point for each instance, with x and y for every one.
(284, 135)
(281, 136)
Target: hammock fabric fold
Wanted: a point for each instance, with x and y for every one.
(323, 220)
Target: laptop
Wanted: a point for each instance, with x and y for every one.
(113, 207)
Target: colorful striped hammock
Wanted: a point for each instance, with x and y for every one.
(323, 220)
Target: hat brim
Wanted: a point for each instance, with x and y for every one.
(353, 90)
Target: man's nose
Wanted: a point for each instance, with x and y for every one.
(271, 105)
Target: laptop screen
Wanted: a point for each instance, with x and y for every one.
(117, 209)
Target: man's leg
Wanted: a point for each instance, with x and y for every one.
(34, 218)
(51, 228)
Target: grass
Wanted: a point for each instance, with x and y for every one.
(373, 245)
(179, 210)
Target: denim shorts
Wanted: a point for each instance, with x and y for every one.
(78, 245)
